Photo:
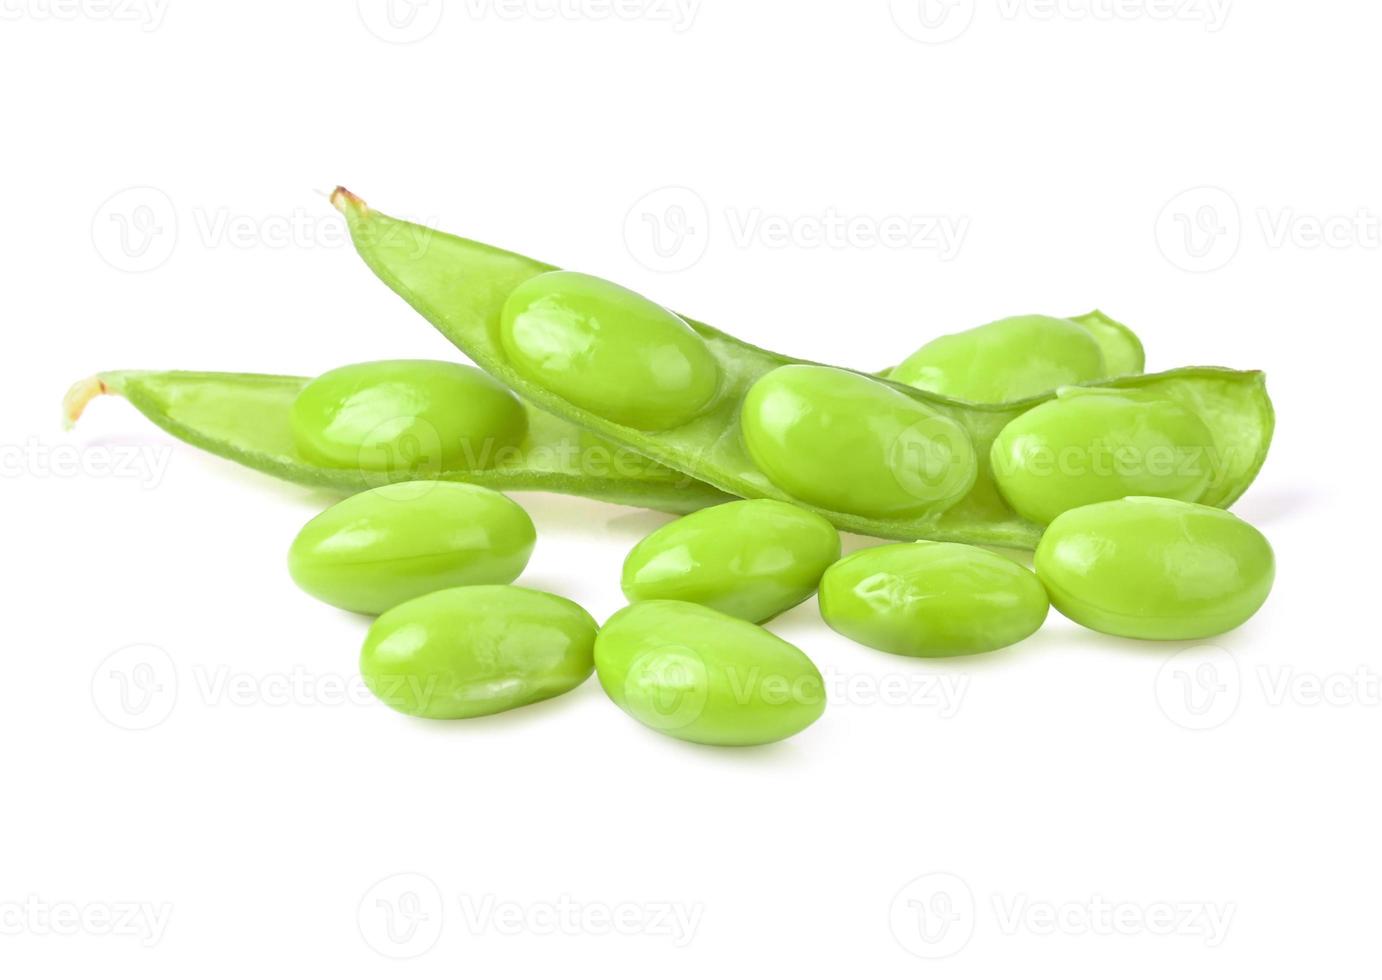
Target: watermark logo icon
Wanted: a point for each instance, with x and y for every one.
(667, 688)
(401, 916)
(932, 21)
(933, 916)
(136, 229)
(400, 21)
(1200, 687)
(1200, 230)
(927, 459)
(136, 687)
(668, 229)
(401, 450)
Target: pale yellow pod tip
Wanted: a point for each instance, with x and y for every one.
(79, 396)
(341, 199)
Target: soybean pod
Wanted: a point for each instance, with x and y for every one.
(249, 419)
(869, 454)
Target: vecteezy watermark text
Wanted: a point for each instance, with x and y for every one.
(939, 233)
(680, 15)
(1105, 458)
(935, 915)
(1201, 687)
(1098, 916)
(1203, 229)
(138, 687)
(404, 915)
(670, 229)
(145, 465)
(138, 229)
(941, 21)
(569, 916)
(941, 692)
(410, 21)
(35, 916)
(147, 14)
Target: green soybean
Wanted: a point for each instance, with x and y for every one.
(376, 549)
(422, 417)
(1006, 360)
(1020, 356)
(849, 443)
(1091, 445)
(750, 558)
(1155, 569)
(573, 333)
(477, 650)
(246, 418)
(699, 675)
(931, 599)
(462, 287)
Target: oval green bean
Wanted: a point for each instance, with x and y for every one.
(750, 558)
(376, 549)
(1155, 569)
(1006, 360)
(699, 675)
(417, 417)
(930, 599)
(477, 650)
(609, 350)
(1093, 444)
(851, 444)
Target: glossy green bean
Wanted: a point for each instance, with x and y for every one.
(929, 599)
(1155, 569)
(573, 333)
(477, 650)
(417, 416)
(699, 675)
(1094, 444)
(384, 546)
(848, 443)
(748, 558)
(1023, 370)
(1010, 359)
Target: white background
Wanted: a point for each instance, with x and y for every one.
(989, 809)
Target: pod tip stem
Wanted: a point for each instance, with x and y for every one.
(79, 396)
(341, 199)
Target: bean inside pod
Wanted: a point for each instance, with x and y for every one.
(608, 349)
(416, 417)
(850, 443)
(1090, 444)
(1006, 360)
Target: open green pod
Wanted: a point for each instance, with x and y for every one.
(247, 418)
(464, 287)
